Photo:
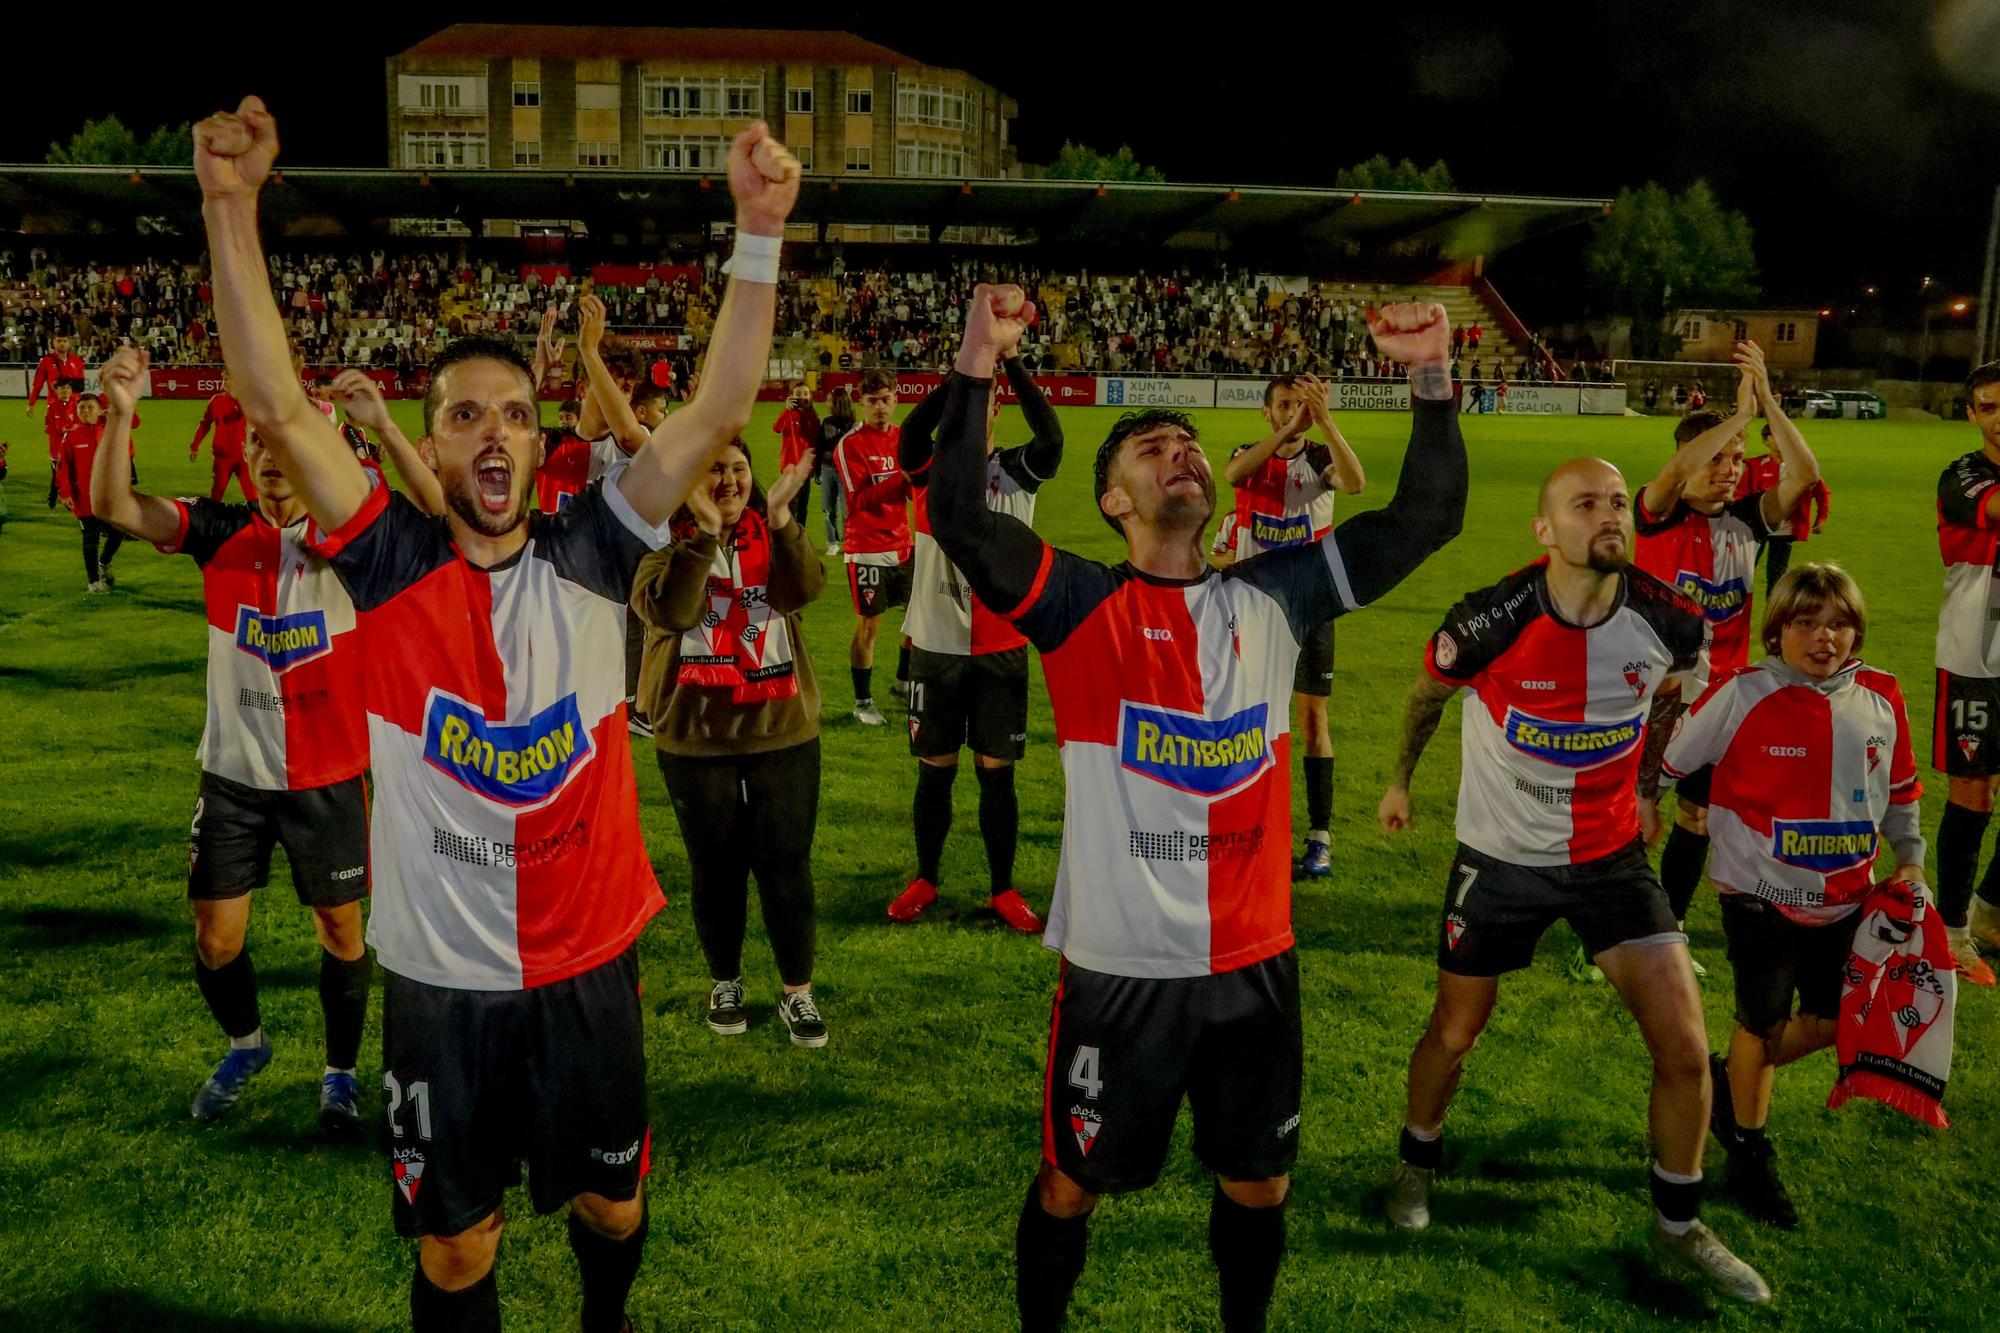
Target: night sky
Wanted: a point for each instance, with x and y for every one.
(1862, 139)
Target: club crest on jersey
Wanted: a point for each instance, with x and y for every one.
(1718, 601)
(282, 642)
(1823, 845)
(407, 1169)
(1272, 532)
(1875, 744)
(514, 765)
(1194, 754)
(1635, 677)
(1572, 744)
(1085, 1124)
(1454, 930)
(1968, 746)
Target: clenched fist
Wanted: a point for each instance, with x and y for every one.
(1412, 332)
(233, 151)
(764, 179)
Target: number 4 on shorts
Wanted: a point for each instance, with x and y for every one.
(1083, 1072)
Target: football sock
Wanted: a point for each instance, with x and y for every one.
(1960, 834)
(931, 811)
(343, 1001)
(1681, 864)
(231, 992)
(1419, 1151)
(607, 1267)
(1989, 883)
(903, 663)
(1248, 1245)
(1677, 1200)
(476, 1309)
(999, 823)
(1048, 1257)
(1319, 792)
(864, 684)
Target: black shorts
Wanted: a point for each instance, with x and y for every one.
(1775, 958)
(1965, 729)
(1314, 673)
(1123, 1051)
(324, 831)
(1693, 789)
(1495, 912)
(476, 1082)
(876, 588)
(979, 701)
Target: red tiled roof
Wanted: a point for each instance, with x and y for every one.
(569, 42)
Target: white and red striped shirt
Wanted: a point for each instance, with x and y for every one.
(1712, 560)
(1555, 714)
(1968, 638)
(944, 614)
(1285, 502)
(284, 695)
(1808, 775)
(506, 845)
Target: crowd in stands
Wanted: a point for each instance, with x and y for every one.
(396, 311)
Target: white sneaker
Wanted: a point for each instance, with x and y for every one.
(868, 715)
(1984, 923)
(1700, 1253)
(1965, 956)
(95, 587)
(1409, 1197)
(833, 548)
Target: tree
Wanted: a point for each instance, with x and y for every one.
(1081, 162)
(1657, 249)
(108, 142)
(1379, 173)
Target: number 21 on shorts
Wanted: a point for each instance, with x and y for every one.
(418, 1094)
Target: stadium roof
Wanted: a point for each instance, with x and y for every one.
(759, 45)
(331, 201)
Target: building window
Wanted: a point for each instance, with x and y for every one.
(686, 152)
(923, 159)
(861, 160)
(446, 149)
(804, 153)
(661, 97)
(596, 153)
(1788, 332)
(1694, 331)
(528, 94)
(1742, 330)
(930, 104)
(441, 95)
(676, 98)
(799, 101)
(527, 152)
(860, 101)
(597, 97)
(742, 98)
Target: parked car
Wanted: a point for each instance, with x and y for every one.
(1859, 404)
(1817, 403)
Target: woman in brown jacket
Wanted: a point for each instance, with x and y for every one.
(735, 709)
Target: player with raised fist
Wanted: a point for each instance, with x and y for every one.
(1172, 908)
(511, 879)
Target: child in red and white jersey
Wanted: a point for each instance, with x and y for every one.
(1813, 770)
(877, 540)
(80, 443)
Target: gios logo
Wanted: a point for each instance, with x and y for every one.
(1193, 754)
(282, 642)
(1274, 532)
(1572, 744)
(1823, 845)
(517, 765)
(1718, 601)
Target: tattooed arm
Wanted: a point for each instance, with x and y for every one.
(1420, 722)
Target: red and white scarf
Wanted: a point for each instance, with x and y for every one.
(1896, 1006)
(741, 644)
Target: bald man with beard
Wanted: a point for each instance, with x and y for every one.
(1561, 662)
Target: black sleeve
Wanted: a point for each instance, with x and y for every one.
(591, 545)
(209, 524)
(1750, 509)
(1042, 455)
(1045, 592)
(1672, 614)
(1962, 492)
(1481, 626)
(386, 547)
(1650, 525)
(913, 446)
(1371, 553)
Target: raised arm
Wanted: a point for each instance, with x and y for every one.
(764, 178)
(918, 437)
(999, 555)
(233, 153)
(613, 406)
(1798, 469)
(1420, 722)
(548, 347)
(1345, 473)
(361, 398)
(1044, 452)
(147, 517)
(1245, 462)
(1662, 493)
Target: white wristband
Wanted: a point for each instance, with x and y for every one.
(755, 258)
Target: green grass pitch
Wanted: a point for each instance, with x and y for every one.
(874, 1184)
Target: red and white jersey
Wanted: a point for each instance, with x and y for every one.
(1555, 714)
(1172, 705)
(1285, 502)
(605, 454)
(1968, 638)
(506, 849)
(225, 415)
(1805, 771)
(877, 494)
(565, 470)
(284, 686)
(944, 614)
(1712, 560)
(1225, 535)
